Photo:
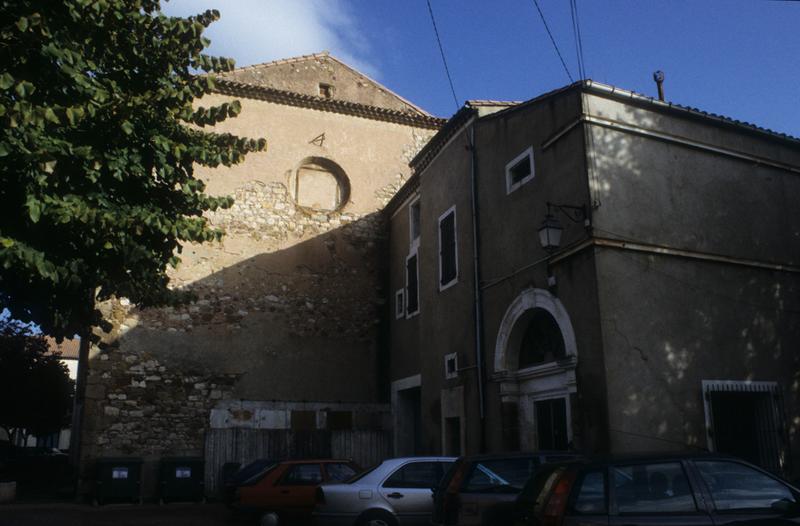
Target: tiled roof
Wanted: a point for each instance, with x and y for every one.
(68, 348)
(291, 98)
(326, 54)
(472, 107)
(599, 87)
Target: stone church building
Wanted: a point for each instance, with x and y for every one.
(283, 338)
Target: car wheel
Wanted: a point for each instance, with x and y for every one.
(377, 518)
(270, 518)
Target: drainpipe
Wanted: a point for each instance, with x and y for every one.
(477, 281)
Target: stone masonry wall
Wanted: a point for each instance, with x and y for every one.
(287, 306)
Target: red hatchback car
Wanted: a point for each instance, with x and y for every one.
(284, 493)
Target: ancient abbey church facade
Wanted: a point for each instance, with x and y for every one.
(283, 342)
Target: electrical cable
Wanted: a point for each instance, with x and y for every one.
(444, 60)
(553, 40)
(576, 31)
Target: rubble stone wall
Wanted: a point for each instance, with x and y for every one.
(287, 306)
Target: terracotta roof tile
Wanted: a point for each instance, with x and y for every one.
(68, 348)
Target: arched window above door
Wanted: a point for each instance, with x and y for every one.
(542, 340)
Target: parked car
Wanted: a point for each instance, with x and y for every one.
(694, 489)
(396, 492)
(481, 489)
(284, 493)
(247, 475)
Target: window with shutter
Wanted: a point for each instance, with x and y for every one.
(448, 249)
(412, 285)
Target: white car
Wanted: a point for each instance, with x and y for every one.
(397, 492)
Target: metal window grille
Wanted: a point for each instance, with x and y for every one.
(746, 419)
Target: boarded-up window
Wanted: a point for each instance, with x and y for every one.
(317, 188)
(304, 420)
(340, 420)
(448, 263)
(412, 285)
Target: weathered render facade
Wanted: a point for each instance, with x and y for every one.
(668, 317)
(284, 336)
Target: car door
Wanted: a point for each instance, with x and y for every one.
(657, 493)
(295, 491)
(408, 491)
(588, 504)
(743, 494)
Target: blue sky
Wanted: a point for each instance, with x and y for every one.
(737, 58)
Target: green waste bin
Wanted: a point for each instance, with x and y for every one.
(181, 479)
(118, 480)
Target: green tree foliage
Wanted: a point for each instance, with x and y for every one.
(35, 388)
(99, 137)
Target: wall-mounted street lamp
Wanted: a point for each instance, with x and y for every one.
(550, 231)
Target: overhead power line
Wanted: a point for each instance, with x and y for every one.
(444, 60)
(553, 40)
(576, 31)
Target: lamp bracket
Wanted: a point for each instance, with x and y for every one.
(576, 214)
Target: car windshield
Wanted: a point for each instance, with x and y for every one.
(500, 475)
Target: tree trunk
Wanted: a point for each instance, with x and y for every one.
(76, 433)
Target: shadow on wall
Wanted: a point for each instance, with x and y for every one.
(672, 324)
(298, 324)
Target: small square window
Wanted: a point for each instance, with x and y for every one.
(399, 304)
(520, 170)
(451, 365)
(326, 91)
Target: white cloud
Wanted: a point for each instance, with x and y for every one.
(254, 31)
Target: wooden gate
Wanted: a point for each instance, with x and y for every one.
(245, 445)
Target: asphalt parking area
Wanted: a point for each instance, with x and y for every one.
(64, 514)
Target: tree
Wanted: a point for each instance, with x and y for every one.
(99, 137)
(35, 387)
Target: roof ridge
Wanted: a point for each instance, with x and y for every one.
(280, 61)
(327, 54)
(231, 87)
(381, 86)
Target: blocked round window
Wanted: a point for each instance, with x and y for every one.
(542, 341)
(320, 184)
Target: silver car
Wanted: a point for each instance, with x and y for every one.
(396, 492)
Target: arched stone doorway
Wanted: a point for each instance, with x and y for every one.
(534, 363)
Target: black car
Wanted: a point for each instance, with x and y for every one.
(479, 490)
(651, 490)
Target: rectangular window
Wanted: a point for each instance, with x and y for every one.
(399, 304)
(448, 249)
(413, 223)
(744, 419)
(451, 365)
(520, 170)
(326, 91)
(412, 285)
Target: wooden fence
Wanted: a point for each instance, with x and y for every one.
(245, 445)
